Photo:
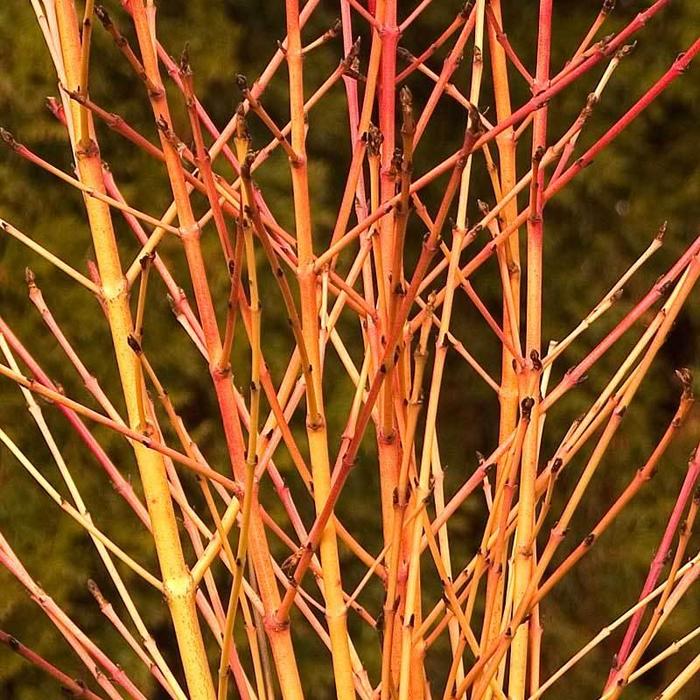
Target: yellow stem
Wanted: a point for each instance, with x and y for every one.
(178, 587)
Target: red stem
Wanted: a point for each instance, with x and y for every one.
(659, 561)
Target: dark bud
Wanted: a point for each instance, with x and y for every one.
(133, 343)
(536, 362)
(467, 8)
(146, 260)
(103, 16)
(526, 406)
(379, 624)
(351, 63)
(162, 124)
(335, 29)
(475, 125)
(666, 287)
(290, 564)
(249, 159)
(242, 83)
(397, 160)
(9, 139)
(374, 140)
(686, 379)
(96, 593)
(355, 48)
(240, 116)
(185, 66)
(662, 231)
(405, 54)
(626, 50)
(603, 43)
(591, 102)
(406, 98)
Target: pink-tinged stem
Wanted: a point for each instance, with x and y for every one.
(505, 43)
(120, 484)
(66, 626)
(659, 561)
(535, 103)
(418, 9)
(457, 22)
(346, 459)
(76, 689)
(679, 66)
(449, 67)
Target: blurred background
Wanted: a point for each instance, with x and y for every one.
(594, 230)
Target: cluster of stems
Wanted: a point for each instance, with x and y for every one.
(395, 271)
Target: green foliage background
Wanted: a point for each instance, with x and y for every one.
(594, 230)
